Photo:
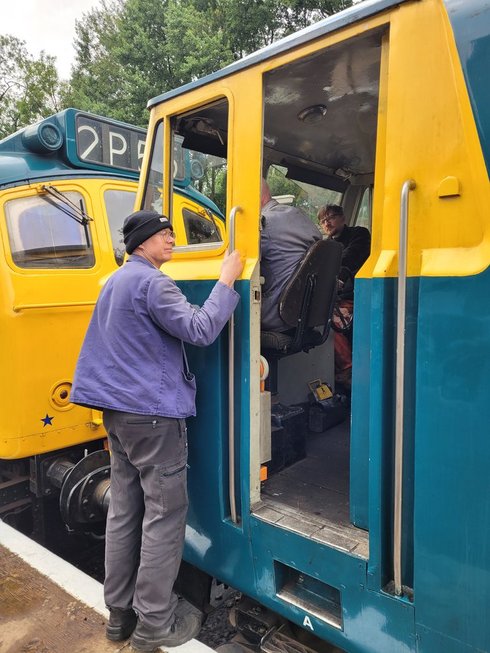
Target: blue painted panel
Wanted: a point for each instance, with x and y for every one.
(411, 357)
(213, 543)
(448, 367)
(381, 431)
(19, 162)
(452, 480)
(379, 623)
(429, 641)
(471, 24)
(359, 445)
(373, 419)
(372, 622)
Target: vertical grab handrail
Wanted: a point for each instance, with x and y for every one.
(231, 382)
(400, 386)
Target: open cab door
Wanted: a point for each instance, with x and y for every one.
(190, 150)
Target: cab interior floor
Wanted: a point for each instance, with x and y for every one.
(312, 495)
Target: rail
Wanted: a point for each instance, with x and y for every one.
(231, 382)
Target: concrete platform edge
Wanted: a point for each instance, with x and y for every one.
(65, 575)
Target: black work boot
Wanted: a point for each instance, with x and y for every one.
(184, 628)
(121, 624)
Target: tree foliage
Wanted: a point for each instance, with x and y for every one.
(129, 51)
(29, 87)
(97, 76)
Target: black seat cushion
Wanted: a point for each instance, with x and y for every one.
(280, 342)
(306, 302)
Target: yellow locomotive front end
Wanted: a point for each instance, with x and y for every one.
(66, 186)
(51, 272)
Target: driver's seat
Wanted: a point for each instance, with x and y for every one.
(306, 306)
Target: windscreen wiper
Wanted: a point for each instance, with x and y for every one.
(68, 207)
(210, 215)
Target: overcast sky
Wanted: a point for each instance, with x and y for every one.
(47, 25)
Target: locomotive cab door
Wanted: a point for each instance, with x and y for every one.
(192, 145)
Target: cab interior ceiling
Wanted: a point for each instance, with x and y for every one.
(320, 115)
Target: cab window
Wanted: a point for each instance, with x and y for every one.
(153, 197)
(200, 228)
(44, 233)
(118, 204)
(306, 196)
(199, 147)
(363, 215)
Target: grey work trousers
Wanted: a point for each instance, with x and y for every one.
(147, 513)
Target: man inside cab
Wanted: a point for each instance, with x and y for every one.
(287, 233)
(356, 242)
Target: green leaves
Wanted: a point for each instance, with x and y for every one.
(197, 50)
(133, 50)
(29, 88)
(129, 51)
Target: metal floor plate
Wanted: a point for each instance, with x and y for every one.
(311, 497)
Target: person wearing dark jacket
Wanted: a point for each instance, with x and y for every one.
(356, 242)
(133, 367)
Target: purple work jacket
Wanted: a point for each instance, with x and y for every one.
(132, 358)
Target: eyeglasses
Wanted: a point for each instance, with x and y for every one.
(329, 218)
(168, 235)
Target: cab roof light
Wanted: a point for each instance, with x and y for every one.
(43, 138)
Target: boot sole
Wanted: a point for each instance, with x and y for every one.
(118, 633)
(146, 646)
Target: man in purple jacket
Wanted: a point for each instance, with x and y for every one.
(133, 367)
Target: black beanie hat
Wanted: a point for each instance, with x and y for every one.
(140, 226)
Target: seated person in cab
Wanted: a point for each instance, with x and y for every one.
(287, 233)
(356, 242)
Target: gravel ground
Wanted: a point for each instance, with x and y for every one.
(217, 629)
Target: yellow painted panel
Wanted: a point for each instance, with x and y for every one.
(200, 270)
(426, 132)
(43, 320)
(429, 136)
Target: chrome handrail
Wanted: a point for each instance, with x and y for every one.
(231, 382)
(400, 386)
